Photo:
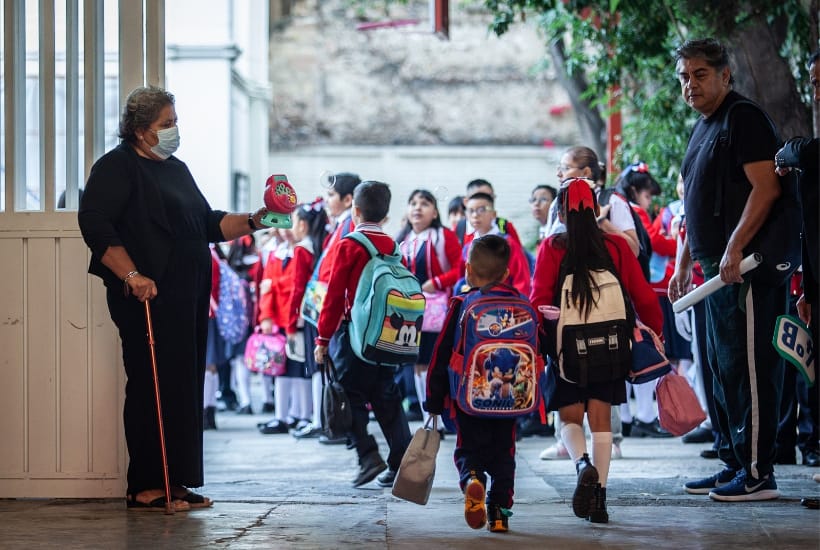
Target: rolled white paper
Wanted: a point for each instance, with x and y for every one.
(747, 264)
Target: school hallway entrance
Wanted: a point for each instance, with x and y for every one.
(274, 491)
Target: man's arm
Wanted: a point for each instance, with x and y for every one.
(765, 191)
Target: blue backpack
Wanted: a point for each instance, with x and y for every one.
(232, 310)
(495, 367)
(387, 310)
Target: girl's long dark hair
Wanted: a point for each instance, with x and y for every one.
(316, 218)
(585, 244)
(408, 227)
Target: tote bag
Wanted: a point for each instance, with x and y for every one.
(679, 411)
(414, 480)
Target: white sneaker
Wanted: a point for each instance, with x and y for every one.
(816, 477)
(616, 451)
(553, 452)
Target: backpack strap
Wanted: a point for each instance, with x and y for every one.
(725, 141)
(363, 240)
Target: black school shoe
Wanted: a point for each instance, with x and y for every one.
(387, 478)
(598, 514)
(498, 518)
(648, 429)
(370, 465)
(583, 500)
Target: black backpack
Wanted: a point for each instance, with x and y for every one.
(337, 416)
(645, 243)
(778, 240)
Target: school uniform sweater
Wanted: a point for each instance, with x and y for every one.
(548, 263)
(302, 270)
(349, 259)
(274, 304)
(425, 263)
(519, 266)
(344, 226)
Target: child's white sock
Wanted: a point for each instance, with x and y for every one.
(282, 397)
(602, 454)
(302, 393)
(267, 386)
(209, 391)
(243, 381)
(573, 437)
(316, 387)
(421, 392)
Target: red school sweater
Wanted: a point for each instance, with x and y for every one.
(548, 264)
(349, 259)
(274, 304)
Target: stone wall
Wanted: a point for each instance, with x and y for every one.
(334, 84)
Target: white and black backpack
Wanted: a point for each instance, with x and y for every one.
(594, 348)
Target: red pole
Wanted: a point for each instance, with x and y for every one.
(613, 131)
(169, 507)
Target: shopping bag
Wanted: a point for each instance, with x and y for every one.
(435, 310)
(414, 479)
(679, 411)
(265, 353)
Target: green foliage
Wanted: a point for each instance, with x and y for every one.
(630, 45)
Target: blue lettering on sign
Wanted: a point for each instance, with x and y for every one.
(789, 338)
(493, 403)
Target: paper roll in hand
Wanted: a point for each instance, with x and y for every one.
(747, 264)
(280, 200)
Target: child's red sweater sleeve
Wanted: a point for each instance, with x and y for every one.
(452, 249)
(266, 299)
(302, 271)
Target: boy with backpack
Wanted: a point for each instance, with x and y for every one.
(485, 368)
(366, 361)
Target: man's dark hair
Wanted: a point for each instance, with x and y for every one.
(345, 182)
(710, 50)
(372, 198)
(489, 257)
(814, 58)
(478, 183)
(484, 196)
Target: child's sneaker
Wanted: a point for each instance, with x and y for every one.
(744, 488)
(498, 519)
(583, 500)
(475, 511)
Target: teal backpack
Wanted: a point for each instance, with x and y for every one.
(388, 309)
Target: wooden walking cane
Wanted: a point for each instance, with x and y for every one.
(169, 506)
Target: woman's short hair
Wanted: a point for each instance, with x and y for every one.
(142, 107)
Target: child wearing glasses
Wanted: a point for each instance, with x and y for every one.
(480, 210)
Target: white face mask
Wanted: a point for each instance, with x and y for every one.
(168, 142)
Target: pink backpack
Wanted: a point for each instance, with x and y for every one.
(679, 411)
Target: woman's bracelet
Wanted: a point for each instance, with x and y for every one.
(126, 290)
(251, 223)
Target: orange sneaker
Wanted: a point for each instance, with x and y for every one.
(475, 510)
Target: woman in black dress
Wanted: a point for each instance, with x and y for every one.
(148, 227)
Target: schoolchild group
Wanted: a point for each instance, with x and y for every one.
(486, 328)
(313, 271)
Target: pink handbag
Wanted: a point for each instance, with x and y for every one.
(679, 411)
(266, 353)
(435, 310)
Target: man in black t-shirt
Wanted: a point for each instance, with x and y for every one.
(740, 317)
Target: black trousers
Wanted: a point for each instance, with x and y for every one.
(486, 446)
(374, 384)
